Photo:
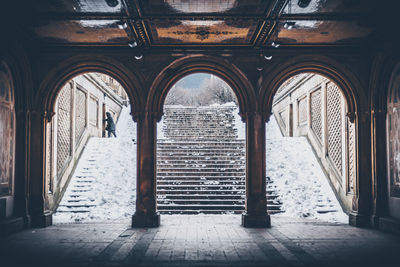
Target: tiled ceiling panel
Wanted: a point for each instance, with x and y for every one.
(236, 32)
(171, 7)
(76, 6)
(328, 6)
(81, 31)
(314, 32)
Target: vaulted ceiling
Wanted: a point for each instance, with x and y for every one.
(202, 23)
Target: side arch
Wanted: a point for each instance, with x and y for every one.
(68, 69)
(182, 67)
(342, 76)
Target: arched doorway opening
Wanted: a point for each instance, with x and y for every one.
(89, 177)
(7, 141)
(393, 145)
(311, 149)
(201, 164)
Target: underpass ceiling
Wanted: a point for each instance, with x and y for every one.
(202, 23)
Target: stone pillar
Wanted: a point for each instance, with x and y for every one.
(39, 217)
(21, 186)
(362, 201)
(256, 201)
(378, 130)
(146, 214)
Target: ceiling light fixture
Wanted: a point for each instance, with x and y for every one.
(112, 3)
(268, 57)
(122, 25)
(276, 45)
(132, 44)
(289, 25)
(138, 57)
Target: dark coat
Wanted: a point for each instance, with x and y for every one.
(110, 123)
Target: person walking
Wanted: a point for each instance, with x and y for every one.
(110, 125)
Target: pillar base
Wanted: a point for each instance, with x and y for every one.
(43, 220)
(146, 220)
(11, 225)
(256, 220)
(359, 220)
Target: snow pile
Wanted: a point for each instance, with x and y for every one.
(239, 125)
(114, 189)
(300, 182)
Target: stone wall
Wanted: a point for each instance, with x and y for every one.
(80, 111)
(7, 142)
(312, 106)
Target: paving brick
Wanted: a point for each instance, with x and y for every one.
(200, 240)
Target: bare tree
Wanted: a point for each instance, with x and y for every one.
(220, 91)
(211, 91)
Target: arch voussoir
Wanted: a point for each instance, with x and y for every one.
(182, 67)
(68, 69)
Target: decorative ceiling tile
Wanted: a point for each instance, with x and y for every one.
(202, 32)
(315, 32)
(171, 7)
(77, 6)
(328, 6)
(81, 31)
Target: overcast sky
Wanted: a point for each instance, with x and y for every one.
(193, 81)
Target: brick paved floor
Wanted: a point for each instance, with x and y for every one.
(201, 241)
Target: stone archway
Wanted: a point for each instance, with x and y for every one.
(351, 89)
(72, 67)
(393, 148)
(349, 85)
(44, 103)
(220, 67)
(146, 211)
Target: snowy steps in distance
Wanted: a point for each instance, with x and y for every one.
(78, 196)
(201, 163)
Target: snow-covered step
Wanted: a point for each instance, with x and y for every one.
(201, 163)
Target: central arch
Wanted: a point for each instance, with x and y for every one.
(220, 67)
(146, 212)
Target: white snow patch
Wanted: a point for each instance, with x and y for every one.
(114, 170)
(160, 126)
(301, 184)
(239, 125)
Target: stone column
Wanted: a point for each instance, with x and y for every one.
(146, 214)
(256, 201)
(362, 200)
(21, 187)
(39, 217)
(378, 141)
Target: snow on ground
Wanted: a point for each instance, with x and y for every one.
(300, 182)
(114, 191)
(291, 164)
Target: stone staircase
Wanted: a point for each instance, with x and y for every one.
(201, 163)
(78, 198)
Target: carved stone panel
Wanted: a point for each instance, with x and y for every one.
(6, 131)
(351, 135)
(394, 142)
(316, 113)
(80, 114)
(93, 111)
(334, 123)
(64, 149)
(302, 110)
